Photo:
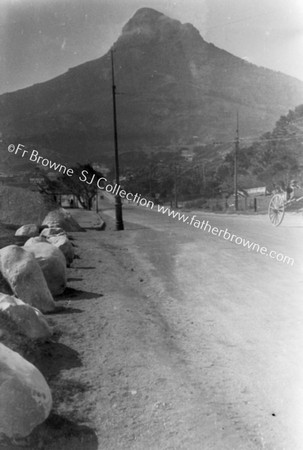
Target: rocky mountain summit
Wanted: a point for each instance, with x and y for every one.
(172, 87)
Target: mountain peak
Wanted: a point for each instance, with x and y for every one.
(149, 22)
(147, 14)
(177, 85)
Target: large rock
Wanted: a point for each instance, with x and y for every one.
(36, 240)
(52, 231)
(29, 230)
(25, 277)
(4, 286)
(66, 247)
(25, 397)
(62, 219)
(53, 264)
(29, 320)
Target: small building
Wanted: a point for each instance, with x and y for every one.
(187, 154)
(102, 168)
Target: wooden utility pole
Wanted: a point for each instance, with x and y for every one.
(97, 207)
(118, 203)
(176, 189)
(236, 164)
(176, 177)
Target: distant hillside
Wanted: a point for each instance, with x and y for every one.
(174, 88)
(20, 206)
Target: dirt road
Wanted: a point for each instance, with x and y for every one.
(183, 340)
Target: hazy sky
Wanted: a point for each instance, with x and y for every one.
(40, 39)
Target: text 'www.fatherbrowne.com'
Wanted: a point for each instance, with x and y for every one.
(204, 225)
(102, 184)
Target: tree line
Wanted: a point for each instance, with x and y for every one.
(270, 160)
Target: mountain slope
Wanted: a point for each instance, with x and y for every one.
(173, 85)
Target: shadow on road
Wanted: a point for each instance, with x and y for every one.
(77, 294)
(56, 433)
(64, 310)
(52, 357)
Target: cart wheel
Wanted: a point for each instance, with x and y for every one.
(276, 209)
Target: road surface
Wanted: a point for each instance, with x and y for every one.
(237, 320)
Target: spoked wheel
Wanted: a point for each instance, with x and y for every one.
(276, 209)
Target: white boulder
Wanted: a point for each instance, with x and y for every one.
(53, 265)
(29, 230)
(30, 321)
(66, 247)
(52, 231)
(35, 240)
(25, 397)
(25, 277)
(61, 218)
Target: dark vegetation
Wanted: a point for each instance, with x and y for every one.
(271, 160)
(82, 184)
